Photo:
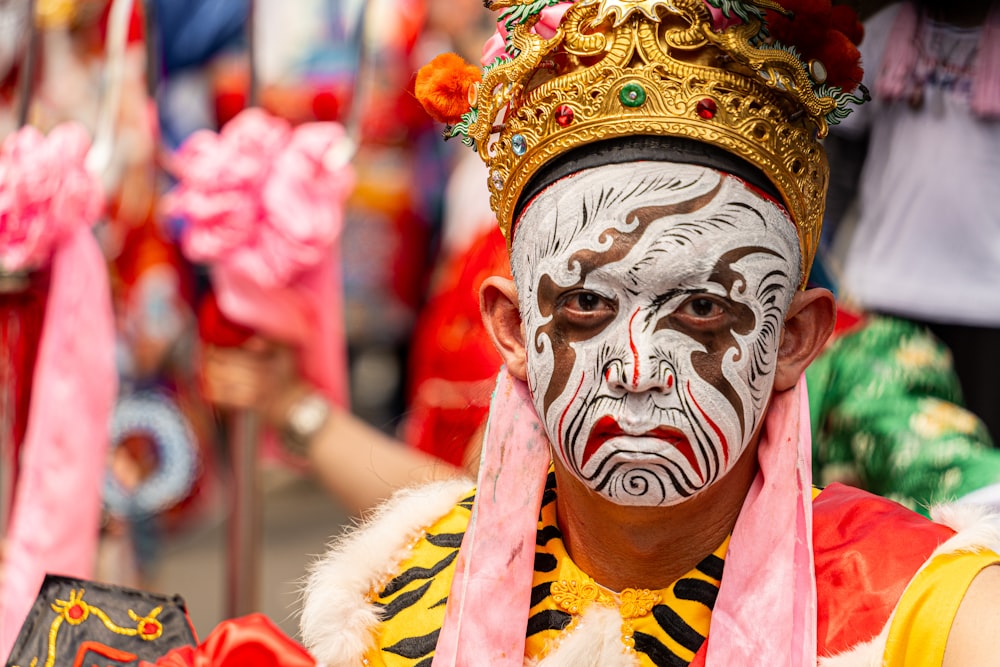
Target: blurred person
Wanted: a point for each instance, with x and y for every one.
(922, 161)
(151, 287)
(358, 464)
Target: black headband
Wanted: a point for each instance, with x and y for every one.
(642, 148)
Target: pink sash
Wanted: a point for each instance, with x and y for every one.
(765, 620)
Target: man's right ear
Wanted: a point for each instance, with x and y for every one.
(499, 307)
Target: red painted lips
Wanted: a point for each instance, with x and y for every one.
(606, 428)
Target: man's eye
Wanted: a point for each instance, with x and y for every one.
(584, 301)
(587, 305)
(701, 307)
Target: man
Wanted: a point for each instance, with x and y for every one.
(654, 338)
(657, 176)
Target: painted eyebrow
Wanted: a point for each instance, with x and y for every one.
(671, 294)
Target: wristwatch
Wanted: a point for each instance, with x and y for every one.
(304, 420)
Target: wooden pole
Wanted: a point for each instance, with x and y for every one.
(245, 516)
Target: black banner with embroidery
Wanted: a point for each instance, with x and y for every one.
(75, 622)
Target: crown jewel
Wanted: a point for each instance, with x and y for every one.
(572, 73)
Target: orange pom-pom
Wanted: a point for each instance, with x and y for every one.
(443, 85)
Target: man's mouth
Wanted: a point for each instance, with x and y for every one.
(607, 428)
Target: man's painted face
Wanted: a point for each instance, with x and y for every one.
(653, 297)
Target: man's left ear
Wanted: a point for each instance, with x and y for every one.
(808, 326)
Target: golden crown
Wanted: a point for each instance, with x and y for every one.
(706, 70)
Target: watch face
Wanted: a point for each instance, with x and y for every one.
(308, 415)
(305, 418)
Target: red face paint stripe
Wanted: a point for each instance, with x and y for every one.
(635, 352)
(718, 431)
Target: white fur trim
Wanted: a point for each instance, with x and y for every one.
(338, 622)
(595, 640)
(866, 654)
(977, 528)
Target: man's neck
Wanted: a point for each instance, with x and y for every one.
(622, 546)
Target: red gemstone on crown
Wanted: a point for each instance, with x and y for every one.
(564, 115)
(707, 108)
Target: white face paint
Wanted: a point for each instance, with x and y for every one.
(653, 297)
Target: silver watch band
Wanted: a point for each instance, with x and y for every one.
(304, 420)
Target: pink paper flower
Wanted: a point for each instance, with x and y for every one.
(257, 197)
(545, 28)
(46, 193)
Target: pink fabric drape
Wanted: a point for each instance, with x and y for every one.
(986, 75)
(766, 610)
(900, 55)
(48, 202)
(491, 592)
(56, 515)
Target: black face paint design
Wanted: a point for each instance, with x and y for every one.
(653, 296)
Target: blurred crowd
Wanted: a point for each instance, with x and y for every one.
(912, 241)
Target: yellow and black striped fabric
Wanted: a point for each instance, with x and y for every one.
(664, 628)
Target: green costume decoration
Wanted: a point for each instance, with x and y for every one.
(886, 416)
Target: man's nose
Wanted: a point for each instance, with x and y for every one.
(642, 369)
(640, 375)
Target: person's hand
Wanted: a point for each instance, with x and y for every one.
(260, 375)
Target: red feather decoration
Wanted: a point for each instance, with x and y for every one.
(845, 19)
(820, 31)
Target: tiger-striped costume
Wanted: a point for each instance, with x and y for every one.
(388, 612)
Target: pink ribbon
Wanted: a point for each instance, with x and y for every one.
(47, 204)
(490, 595)
(766, 610)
